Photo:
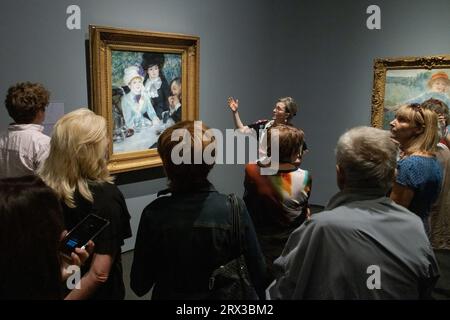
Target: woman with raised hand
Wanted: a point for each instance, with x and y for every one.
(283, 112)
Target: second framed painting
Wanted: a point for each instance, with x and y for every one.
(399, 81)
(142, 83)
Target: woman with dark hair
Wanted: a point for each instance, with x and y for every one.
(155, 83)
(30, 232)
(440, 211)
(442, 111)
(183, 237)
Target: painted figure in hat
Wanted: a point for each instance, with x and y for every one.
(156, 85)
(137, 107)
(438, 87)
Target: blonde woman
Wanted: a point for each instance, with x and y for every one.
(419, 174)
(76, 170)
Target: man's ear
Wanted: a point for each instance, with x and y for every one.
(340, 177)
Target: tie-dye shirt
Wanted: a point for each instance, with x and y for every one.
(278, 198)
(277, 205)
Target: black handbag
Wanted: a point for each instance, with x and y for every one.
(232, 281)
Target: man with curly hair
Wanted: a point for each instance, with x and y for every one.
(23, 147)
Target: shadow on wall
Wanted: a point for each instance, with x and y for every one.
(139, 175)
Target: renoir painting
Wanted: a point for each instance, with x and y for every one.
(146, 97)
(414, 86)
(143, 82)
(401, 81)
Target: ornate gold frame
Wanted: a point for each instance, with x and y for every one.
(102, 41)
(381, 66)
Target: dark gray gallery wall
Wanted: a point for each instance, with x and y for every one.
(325, 59)
(235, 56)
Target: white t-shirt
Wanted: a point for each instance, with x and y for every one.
(23, 147)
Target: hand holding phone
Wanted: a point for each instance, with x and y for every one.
(77, 258)
(79, 237)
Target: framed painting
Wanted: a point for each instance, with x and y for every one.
(142, 83)
(399, 81)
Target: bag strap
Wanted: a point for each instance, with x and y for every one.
(236, 221)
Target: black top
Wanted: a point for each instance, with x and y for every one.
(109, 204)
(183, 237)
(176, 116)
(161, 102)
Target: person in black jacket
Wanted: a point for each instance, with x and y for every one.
(183, 237)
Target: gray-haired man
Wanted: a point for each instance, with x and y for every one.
(363, 246)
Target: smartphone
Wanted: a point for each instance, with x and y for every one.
(87, 229)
